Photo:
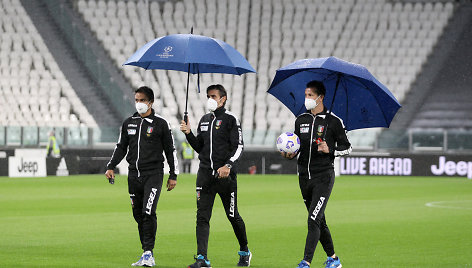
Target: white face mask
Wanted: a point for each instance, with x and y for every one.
(212, 105)
(141, 107)
(311, 104)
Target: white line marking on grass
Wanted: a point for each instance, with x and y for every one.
(459, 204)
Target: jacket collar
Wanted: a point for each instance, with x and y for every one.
(136, 114)
(219, 111)
(323, 113)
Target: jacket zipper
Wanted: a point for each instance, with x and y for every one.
(139, 142)
(211, 141)
(311, 143)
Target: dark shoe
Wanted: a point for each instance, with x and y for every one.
(200, 261)
(244, 258)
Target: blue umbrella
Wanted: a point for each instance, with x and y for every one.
(192, 54)
(356, 96)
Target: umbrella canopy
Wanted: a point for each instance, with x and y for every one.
(190, 53)
(352, 92)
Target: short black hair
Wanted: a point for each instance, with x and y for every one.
(317, 87)
(146, 91)
(221, 90)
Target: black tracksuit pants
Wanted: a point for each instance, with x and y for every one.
(316, 192)
(144, 192)
(207, 187)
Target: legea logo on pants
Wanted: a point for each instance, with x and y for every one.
(317, 208)
(231, 206)
(152, 195)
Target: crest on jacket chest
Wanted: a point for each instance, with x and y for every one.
(320, 130)
(149, 131)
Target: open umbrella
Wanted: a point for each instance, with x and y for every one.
(353, 93)
(192, 54)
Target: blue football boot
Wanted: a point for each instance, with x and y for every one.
(332, 263)
(303, 264)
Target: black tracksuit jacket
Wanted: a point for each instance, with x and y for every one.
(146, 139)
(310, 128)
(219, 139)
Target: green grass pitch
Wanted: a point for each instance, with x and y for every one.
(82, 221)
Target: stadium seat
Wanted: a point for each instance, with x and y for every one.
(30, 65)
(383, 40)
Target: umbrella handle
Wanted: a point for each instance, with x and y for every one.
(186, 117)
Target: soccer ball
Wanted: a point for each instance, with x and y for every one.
(288, 142)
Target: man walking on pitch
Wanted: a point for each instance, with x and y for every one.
(219, 144)
(322, 138)
(145, 136)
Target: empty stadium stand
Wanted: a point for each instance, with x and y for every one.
(446, 103)
(34, 91)
(393, 39)
(70, 65)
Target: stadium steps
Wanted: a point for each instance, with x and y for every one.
(120, 86)
(87, 90)
(442, 75)
(448, 103)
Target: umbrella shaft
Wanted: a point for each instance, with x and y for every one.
(331, 108)
(186, 95)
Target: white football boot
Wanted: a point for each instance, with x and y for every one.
(146, 260)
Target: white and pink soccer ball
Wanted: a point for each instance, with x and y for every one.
(288, 142)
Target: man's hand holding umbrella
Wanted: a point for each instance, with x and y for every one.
(185, 126)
